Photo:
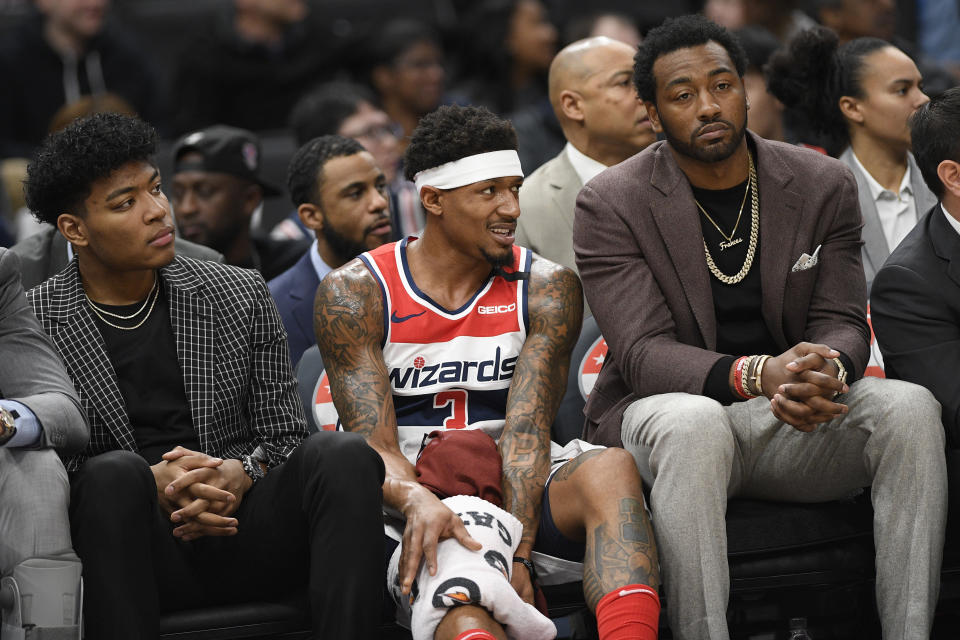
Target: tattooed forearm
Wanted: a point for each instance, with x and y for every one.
(348, 322)
(539, 382)
(621, 555)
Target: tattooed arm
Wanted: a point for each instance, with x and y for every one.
(539, 381)
(348, 321)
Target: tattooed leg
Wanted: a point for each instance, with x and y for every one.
(460, 619)
(600, 500)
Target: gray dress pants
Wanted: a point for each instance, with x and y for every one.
(695, 453)
(34, 492)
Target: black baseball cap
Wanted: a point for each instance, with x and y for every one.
(224, 150)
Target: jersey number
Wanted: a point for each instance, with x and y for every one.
(458, 415)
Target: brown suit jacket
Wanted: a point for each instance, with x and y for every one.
(639, 247)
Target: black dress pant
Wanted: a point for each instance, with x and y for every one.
(314, 521)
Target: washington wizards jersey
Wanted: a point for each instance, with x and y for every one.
(449, 369)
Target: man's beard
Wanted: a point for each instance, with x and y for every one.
(344, 248)
(710, 153)
(498, 261)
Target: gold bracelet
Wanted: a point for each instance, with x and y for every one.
(745, 377)
(758, 376)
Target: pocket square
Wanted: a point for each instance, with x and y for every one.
(805, 261)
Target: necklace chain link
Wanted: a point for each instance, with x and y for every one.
(102, 313)
(754, 232)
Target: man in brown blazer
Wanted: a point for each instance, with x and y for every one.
(709, 247)
(604, 124)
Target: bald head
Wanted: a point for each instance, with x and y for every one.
(592, 93)
(580, 60)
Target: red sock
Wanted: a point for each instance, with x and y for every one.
(475, 634)
(631, 612)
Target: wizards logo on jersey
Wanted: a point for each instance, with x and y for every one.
(420, 374)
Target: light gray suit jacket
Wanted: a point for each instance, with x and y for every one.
(44, 254)
(31, 372)
(875, 250)
(547, 201)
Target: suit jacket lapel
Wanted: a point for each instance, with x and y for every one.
(780, 210)
(191, 316)
(303, 295)
(675, 215)
(946, 242)
(89, 363)
(874, 242)
(565, 185)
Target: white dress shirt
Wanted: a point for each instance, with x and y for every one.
(319, 265)
(897, 211)
(585, 166)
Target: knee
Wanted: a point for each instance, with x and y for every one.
(340, 454)
(122, 475)
(610, 472)
(908, 413)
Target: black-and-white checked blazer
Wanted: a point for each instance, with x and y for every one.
(232, 349)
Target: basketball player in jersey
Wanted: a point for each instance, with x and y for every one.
(459, 329)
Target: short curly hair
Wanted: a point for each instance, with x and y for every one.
(680, 33)
(454, 132)
(305, 173)
(61, 174)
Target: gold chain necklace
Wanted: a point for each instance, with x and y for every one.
(754, 233)
(729, 238)
(156, 294)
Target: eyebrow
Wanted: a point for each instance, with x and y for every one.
(122, 190)
(715, 72)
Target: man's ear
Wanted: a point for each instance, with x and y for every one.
(310, 216)
(571, 104)
(252, 197)
(430, 199)
(850, 108)
(73, 229)
(654, 116)
(949, 173)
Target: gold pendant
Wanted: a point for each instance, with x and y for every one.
(727, 245)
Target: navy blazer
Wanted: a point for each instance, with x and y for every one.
(293, 291)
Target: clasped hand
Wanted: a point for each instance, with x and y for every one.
(200, 492)
(802, 384)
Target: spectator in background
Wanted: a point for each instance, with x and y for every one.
(727, 13)
(199, 485)
(349, 110)
(61, 53)
(615, 26)
(916, 295)
(341, 196)
(604, 124)
(508, 47)
(407, 72)
(251, 67)
(215, 189)
(852, 19)
(861, 95)
(766, 112)
(782, 18)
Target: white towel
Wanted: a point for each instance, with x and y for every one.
(470, 577)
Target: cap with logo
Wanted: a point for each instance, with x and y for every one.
(223, 149)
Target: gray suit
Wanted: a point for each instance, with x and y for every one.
(44, 254)
(875, 250)
(547, 201)
(33, 483)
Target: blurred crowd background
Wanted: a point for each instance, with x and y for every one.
(293, 69)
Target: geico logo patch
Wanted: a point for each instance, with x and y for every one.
(497, 308)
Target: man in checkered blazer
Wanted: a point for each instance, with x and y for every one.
(198, 486)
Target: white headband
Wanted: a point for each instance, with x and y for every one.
(483, 166)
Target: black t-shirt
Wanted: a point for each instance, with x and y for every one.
(150, 379)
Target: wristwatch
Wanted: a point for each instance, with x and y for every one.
(841, 373)
(8, 425)
(252, 468)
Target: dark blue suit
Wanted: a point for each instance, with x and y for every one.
(293, 291)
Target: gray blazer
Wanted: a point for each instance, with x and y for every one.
(547, 201)
(44, 254)
(31, 372)
(875, 250)
(639, 247)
